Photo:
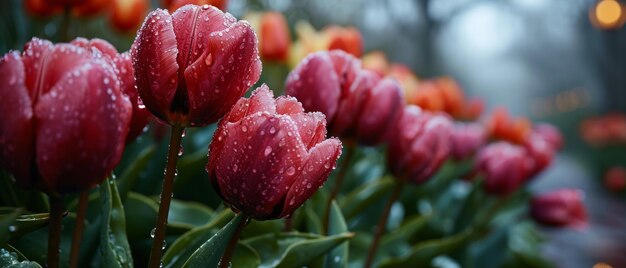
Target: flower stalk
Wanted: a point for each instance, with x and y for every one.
(382, 224)
(54, 235)
(232, 243)
(83, 202)
(166, 196)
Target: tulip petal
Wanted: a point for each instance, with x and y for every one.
(101, 45)
(311, 126)
(83, 122)
(347, 68)
(141, 115)
(259, 144)
(379, 112)
(154, 61)
(226, 69)
(316, 85)
(261, 100)
(353, 104)
(16, 130)
(45, 64)
(321, 161)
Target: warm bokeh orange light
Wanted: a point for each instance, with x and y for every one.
(608, 14)
(602, 265)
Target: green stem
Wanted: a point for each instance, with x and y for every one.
(232, 243)
(77, 237)
(54, 233)
(338, 181)
(166, 196)
(65, 25)
(382, 224)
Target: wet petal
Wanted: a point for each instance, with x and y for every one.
(380, 112)
(141, 115)
(352, 104)
(16, 127)
(229, 65)
(315, 84)
(102, 46)
(82, 128)
(257, 163)
(320, 162)
(154, 61)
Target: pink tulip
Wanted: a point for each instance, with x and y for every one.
(562, 208)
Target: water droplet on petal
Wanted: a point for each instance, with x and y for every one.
(268, 150)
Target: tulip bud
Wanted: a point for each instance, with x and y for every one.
(124, 70)
(502, 126)
(268, 156)
(551, 134)
(66, 117)
(42, 8)
(191, 72)
(127, 15)
(562, 208)
(467, 139)
(358, 104)
(540, 151)
(505, 167)
(615, 179)
(347, 39)
(274, 37)
(418, 145)
(173, 5)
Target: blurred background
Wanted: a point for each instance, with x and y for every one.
(558, 61)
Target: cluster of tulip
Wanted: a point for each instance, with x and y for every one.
(73, 108)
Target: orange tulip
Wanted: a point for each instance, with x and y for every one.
(127, 15)
(274, 37)
(347, 39)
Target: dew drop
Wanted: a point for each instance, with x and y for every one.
(235, 167)
(291, 171)
(152, 232)
(208, 60)
(244, 128)
(272, 130)
(268, 150)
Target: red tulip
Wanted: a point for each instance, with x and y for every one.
(66, 118)
(467, 139)
(562, 208)
(193, 65)
(124, 71)
(615, 179)
(540, 151)
(358, 104)
(419, 144)
(505, 167)
(551, 134)
(274, 37)
(42, 8)
(173, 5)
(268, 156)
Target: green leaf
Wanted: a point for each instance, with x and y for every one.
(114, 248)
(422, 253)
(10, 260)
(130, 176)
(245, 256)
(25, 224)
(338, 257)
(363, 197)
(210, 253)
(405, 232)
(293, 249)
(188, 214)
(6, 225)
(186, 244)
(141, 214)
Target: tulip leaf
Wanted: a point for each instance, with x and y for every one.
(189, 214)
(186, 244)
(25, 224)
(114, 248)
(422, 253)
(141, 214)
(245, 256)
(293, 249)
(10, 260)
(363, 197)
(338, 257)
(7, 226)
(405, 232)
(210, 253)
(130, 176)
